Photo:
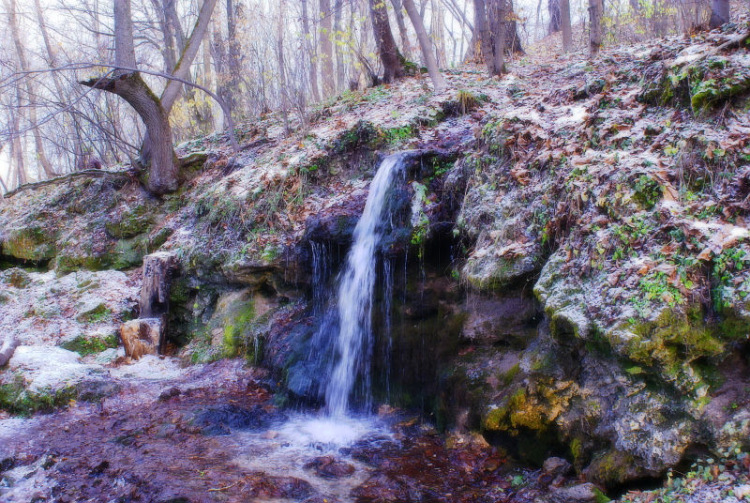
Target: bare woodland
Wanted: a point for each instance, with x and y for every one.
(95, 83)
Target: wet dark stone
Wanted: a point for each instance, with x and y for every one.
(382, 487)
(7, 464)
(169, 393)
(99, 469)
(222, 419)
(262, 485)
(329, 467)
(95, 391)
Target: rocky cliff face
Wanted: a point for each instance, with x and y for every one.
(568, 257)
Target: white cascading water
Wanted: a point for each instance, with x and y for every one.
(356, 289)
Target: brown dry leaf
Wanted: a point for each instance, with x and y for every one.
(521, 175)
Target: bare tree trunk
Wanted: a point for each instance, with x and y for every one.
(555, 16)
(512, 42)
(393, 66)
(31, 96)
(338, 9)
(567, 30)
(326, 46)
(129, 85)
(53, 63)
(719, 13)
(189, 51)
(490, 26)
(497, 15)
(16, 150)
(438, 81)
(595, 29)
(282, 64)
(437, 32)
(310, 45)
(233, 56)
(398, 9)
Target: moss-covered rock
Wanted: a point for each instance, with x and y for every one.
(237, 327)
(131, 222)
(32, 244)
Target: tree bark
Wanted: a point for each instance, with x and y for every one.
(595, 20)
(497, 14)
(438, 81)
(393, 66)
(158, 270)
(326, 46)
(490, 25)
(555, 16)
(719, 13)
(567, 30)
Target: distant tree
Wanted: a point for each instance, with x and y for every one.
(719, 13)
(326, 46)
(393, 65)
(312, 71)
(126, 82)
(596, 11)
(438, 81)
(567, 30)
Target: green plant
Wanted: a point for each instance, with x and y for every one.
(647, 191)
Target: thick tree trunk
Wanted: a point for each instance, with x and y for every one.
(497, 14)
(482, 27)
(513, 43)
(555, 16)
(567, 30)
(719, 13)
(131, 87)
(393, 66)
(326, 46)
(438, 81)
(595, 31)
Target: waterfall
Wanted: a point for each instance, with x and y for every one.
(353, 344)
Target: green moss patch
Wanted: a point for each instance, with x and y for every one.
(90, 345)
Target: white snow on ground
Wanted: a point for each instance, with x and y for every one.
(151, 367)
(49, 310)
(50, 368)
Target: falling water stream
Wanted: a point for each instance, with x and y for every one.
(355, 294)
